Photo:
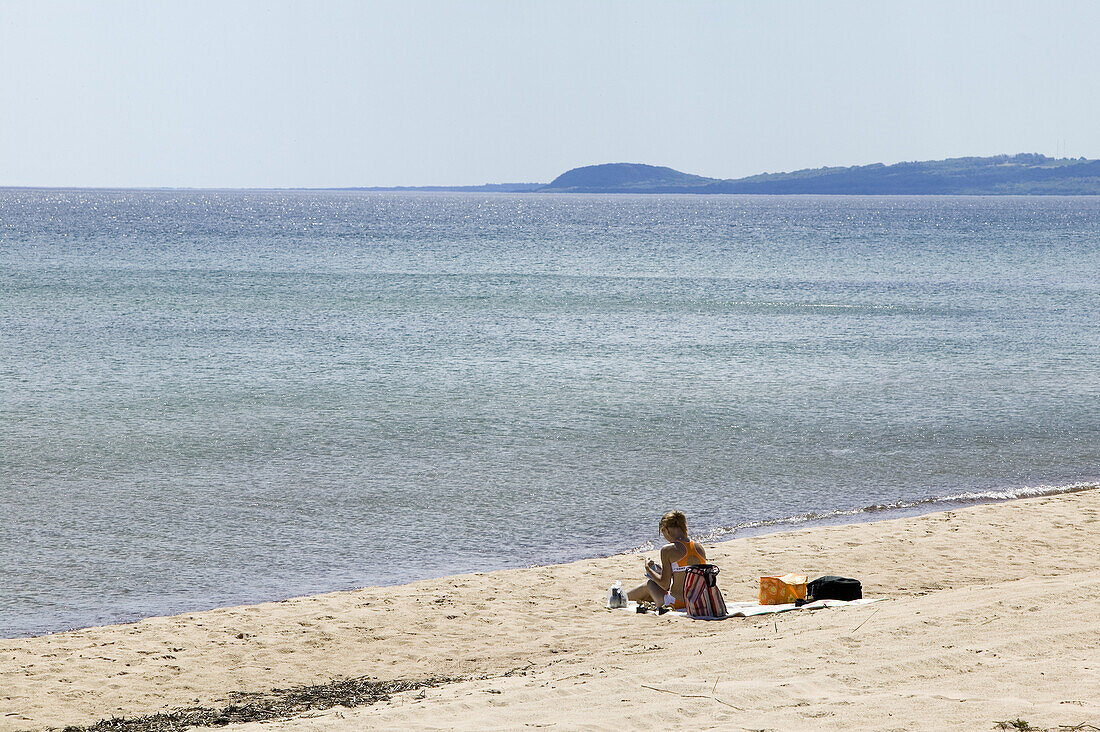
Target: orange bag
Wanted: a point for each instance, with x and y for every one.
(782, 590)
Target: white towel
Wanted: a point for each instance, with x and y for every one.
(749, 609)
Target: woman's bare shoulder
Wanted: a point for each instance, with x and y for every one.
(673, 552)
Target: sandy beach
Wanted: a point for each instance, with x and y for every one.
(992, 613)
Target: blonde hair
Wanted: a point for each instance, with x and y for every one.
(674, 520)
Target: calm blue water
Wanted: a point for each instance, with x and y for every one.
(219, 397)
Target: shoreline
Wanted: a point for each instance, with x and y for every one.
(993, 615)
(895, 510)
(764, 527)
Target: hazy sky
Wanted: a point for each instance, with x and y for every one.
(278, 94)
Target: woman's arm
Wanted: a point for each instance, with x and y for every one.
(666, 565)
(649, 571)
(664, 577)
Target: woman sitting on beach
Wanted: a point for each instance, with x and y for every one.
(666, 581)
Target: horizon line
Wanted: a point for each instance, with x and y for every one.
(451, 187)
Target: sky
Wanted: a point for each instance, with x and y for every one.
(417, 92)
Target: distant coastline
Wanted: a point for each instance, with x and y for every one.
(1022, 174)
(484, 188)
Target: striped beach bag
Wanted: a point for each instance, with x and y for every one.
(701, 594)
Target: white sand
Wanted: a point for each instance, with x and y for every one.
(994, 614)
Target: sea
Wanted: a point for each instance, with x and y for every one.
(212, 397)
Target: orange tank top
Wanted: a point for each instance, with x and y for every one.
(692, 557)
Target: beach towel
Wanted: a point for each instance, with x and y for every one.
(749, 609)
(752, 609)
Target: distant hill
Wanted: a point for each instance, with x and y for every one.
(624, 177)
(1026, 173)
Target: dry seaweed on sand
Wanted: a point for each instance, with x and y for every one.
(258, 707)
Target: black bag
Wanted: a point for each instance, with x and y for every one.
(834, 588)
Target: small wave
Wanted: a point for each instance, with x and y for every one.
(923, 505)
(794, 305)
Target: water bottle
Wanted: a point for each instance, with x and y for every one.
(615, 596)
